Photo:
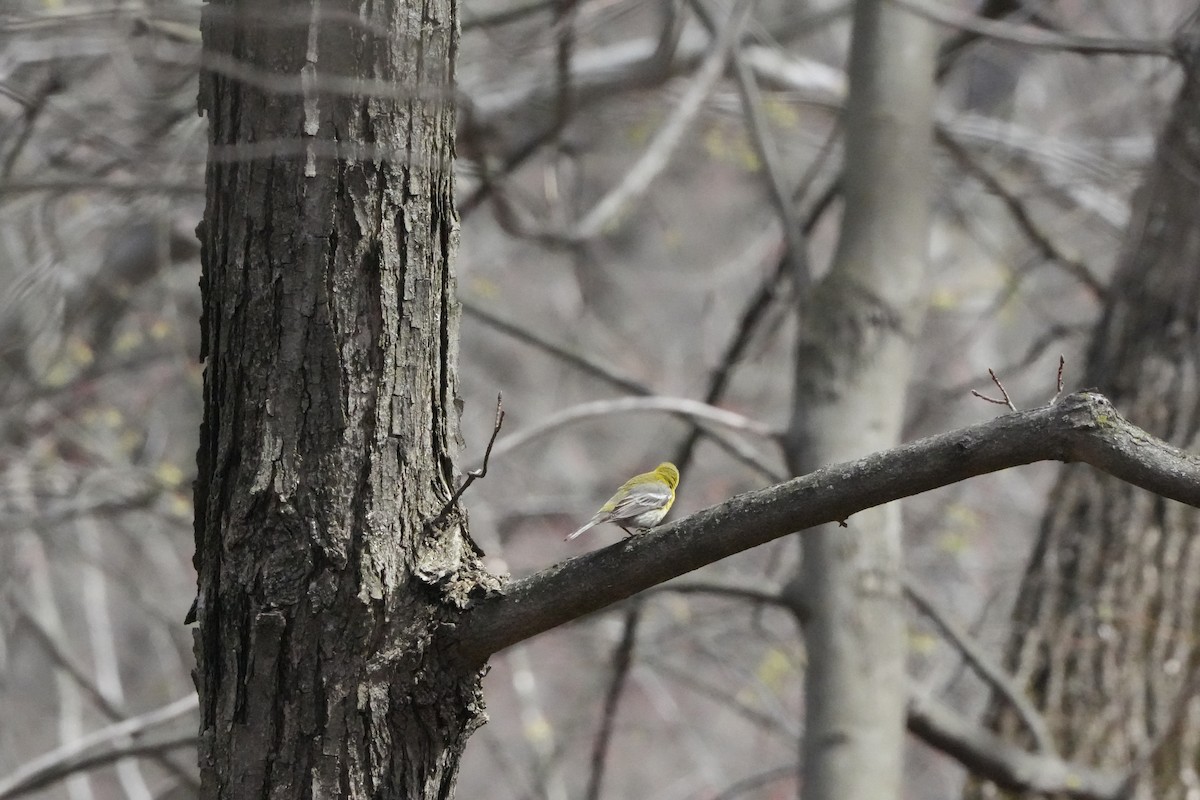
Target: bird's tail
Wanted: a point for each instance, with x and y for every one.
(590, 523)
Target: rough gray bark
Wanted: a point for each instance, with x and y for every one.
(330, 421)
(1107, 625)
(853, 362)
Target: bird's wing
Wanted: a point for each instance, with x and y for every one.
(643, 499)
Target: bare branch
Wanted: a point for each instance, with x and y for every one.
(18, 781)
(755, 311)
(1035, 37)
(1083, 427)
(1004, 764)
(721, 693)
(991, 672)
(609, 375)
(623, 67)
(656, 156)
(768, 153)
(1025, 221)
(109, 186)
(975, 748)
(680, 406)
(1005, 402)
(1062, 362)
(635, 64)
(54, 773)
(565, 14)
(580, 361)
(622, 662)
(474, 474)
(64, 661)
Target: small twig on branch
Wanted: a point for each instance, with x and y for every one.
(1032, 353)
(473, 474)
(1062, 362)
(1005, 402)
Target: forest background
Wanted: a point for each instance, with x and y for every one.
(632, 207)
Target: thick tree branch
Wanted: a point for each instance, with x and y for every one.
(1081, 427)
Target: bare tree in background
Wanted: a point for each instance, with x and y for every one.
(853, 358)
(1105, 630)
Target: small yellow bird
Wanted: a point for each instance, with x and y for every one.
(640, 503)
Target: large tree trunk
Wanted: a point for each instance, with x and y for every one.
(1107, 625)
(853, 363)
(330, 420)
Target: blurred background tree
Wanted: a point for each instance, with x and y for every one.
(1104, 633)
(648, 193)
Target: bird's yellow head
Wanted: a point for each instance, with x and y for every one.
(669, 474)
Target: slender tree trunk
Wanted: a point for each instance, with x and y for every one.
(854, 360)
(1108, 622)
(330, 422)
